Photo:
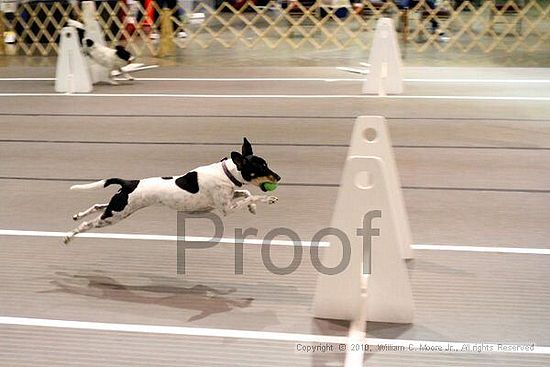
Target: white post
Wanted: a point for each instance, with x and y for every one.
(366, 205)
(385, 61)
(371, 138)
(98, 72)
(93, 29)
(71, 75)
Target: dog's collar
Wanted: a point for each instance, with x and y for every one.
(230, 175)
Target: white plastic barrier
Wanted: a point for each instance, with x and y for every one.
(385, 73)
(98, 72)
(93, 29)
(369, 184)
(371, 138)
(72, 74)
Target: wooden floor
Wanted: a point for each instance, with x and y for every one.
(473, 158)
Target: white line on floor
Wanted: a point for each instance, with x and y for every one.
(273, 96)
(26, 79)
(150, 237)
(478, 81)
(409, 80)
(211, 79)
(225, 240)
(406, 345)
(358, 330)
(500, 250)
(171, 330)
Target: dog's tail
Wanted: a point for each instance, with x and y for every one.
(104, 183)
(90, 186)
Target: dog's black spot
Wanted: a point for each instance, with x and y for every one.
(127, 185)
(120, 199)
(189, 182)
(89, 42)
(122, 53)
(117, 204)
(167, 177)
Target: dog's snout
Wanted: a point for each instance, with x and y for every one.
(276, 177)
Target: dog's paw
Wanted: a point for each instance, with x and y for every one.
(76, 217)
(272, 199)
(252, 208)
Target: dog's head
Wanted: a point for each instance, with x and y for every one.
(253, 169)
(123, 54)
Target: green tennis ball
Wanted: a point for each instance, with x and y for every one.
(269, 186)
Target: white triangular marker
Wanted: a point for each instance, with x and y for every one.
(385, 76)
(98, 72)
(71, 74)
(93, 29)
(371, 138)
(365, 188)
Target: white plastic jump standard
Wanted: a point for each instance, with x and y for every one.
(371, 138)
(93, 29)
(71, 75)
(385, 61)
(98, 72)
(366, 186)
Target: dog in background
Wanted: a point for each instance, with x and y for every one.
(110, 58)
(114, 59)
(206, 188)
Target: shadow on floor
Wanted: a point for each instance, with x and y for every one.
(203, 299)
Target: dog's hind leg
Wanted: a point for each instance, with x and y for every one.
(106, 219)
(95, 223)
(82, 227)
(94, 208)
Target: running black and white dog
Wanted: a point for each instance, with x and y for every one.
(113, 59)
(206, 188)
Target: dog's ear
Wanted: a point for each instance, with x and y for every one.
(81, 34)
(247, 147)
(238, 159)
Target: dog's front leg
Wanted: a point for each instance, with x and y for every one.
(223, 201)
(255, 199)
(237, 194)
(225, 208)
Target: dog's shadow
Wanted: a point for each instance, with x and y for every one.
(203, 299)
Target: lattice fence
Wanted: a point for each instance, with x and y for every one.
(493, 25)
